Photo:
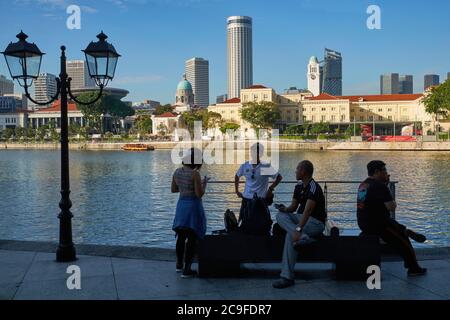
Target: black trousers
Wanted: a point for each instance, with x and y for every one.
(186, 247)
(394, 234)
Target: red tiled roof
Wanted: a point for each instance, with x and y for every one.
(234, 100)
(56, 107)
(323, 96)
(167, 115)
(370, 98)
(257, 86)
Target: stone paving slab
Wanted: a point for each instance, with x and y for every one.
(36, 276)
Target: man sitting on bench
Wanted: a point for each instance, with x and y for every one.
(373, 210)
(307, 223)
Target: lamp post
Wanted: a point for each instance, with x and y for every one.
(24, 63)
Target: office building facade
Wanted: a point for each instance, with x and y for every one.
(78, 71)
(332, 73)
(197, 73)
(389, 83)
(430, 80)
(6, 86)
(240, 54)
(406, 84)
(44, 88)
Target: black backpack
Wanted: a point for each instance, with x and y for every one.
(257, 220)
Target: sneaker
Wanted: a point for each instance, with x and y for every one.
(283, 283)
(418, 271)
(179, 267)
(188, 274)
(416, 236)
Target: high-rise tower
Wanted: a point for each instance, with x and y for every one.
(240, 54)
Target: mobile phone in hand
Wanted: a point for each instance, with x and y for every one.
(278, 206)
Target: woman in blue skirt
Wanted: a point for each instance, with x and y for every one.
(190, 220)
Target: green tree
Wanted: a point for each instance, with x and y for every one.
(74, 129)
(19, 133)
(117, 109)
(162, 129)
(437, 102)
(144, 124)
(8, 133)
(321, 127)
(163, 109)
(41, 132)
(260, 115)
(353, 129)
(294, 129)
(94, 112)
(229, 126)
(209, 119)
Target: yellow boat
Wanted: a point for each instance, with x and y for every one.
(137, 147)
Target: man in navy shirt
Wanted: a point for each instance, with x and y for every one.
(374, 206)
(303, 226)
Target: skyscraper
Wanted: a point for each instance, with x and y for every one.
(6, 86)
(197, 73)
(406, 84)
(332, 73)
(314, 76)
(44, 87)
(390, 83)
(240, 54)
(78, 71)
(430, 80)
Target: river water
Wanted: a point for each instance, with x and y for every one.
(122, 198)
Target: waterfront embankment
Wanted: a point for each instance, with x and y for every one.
(282, 145)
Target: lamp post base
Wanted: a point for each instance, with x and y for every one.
(66, 253)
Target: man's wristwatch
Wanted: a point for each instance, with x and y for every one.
(299, 229)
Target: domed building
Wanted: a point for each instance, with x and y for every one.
(184, 100)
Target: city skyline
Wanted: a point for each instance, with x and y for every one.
(151, 71)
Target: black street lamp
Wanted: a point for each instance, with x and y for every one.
(24, 63)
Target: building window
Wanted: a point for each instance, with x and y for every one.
(343, 118)
(313, 109)
(390, 117)
(332, 109)
(370, 118)
(389, 109)
(266, 97)
(361, 118)
(380, 110)
(324, 118)
(333, 117)
(380, 118)
(323, 109)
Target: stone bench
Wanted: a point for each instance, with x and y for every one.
(222, 255)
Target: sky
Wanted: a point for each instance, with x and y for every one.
(156, 37)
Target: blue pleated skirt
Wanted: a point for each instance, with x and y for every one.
(190, 214)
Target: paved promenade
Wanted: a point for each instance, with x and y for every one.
(34, 274)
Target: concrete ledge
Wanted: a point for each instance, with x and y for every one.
(161, 254)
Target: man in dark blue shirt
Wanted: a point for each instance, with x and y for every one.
(374, 206)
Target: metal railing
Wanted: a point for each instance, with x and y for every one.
(340, 202)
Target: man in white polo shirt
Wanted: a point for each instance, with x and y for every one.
(257, 176)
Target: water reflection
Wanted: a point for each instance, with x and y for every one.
(124, 198)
